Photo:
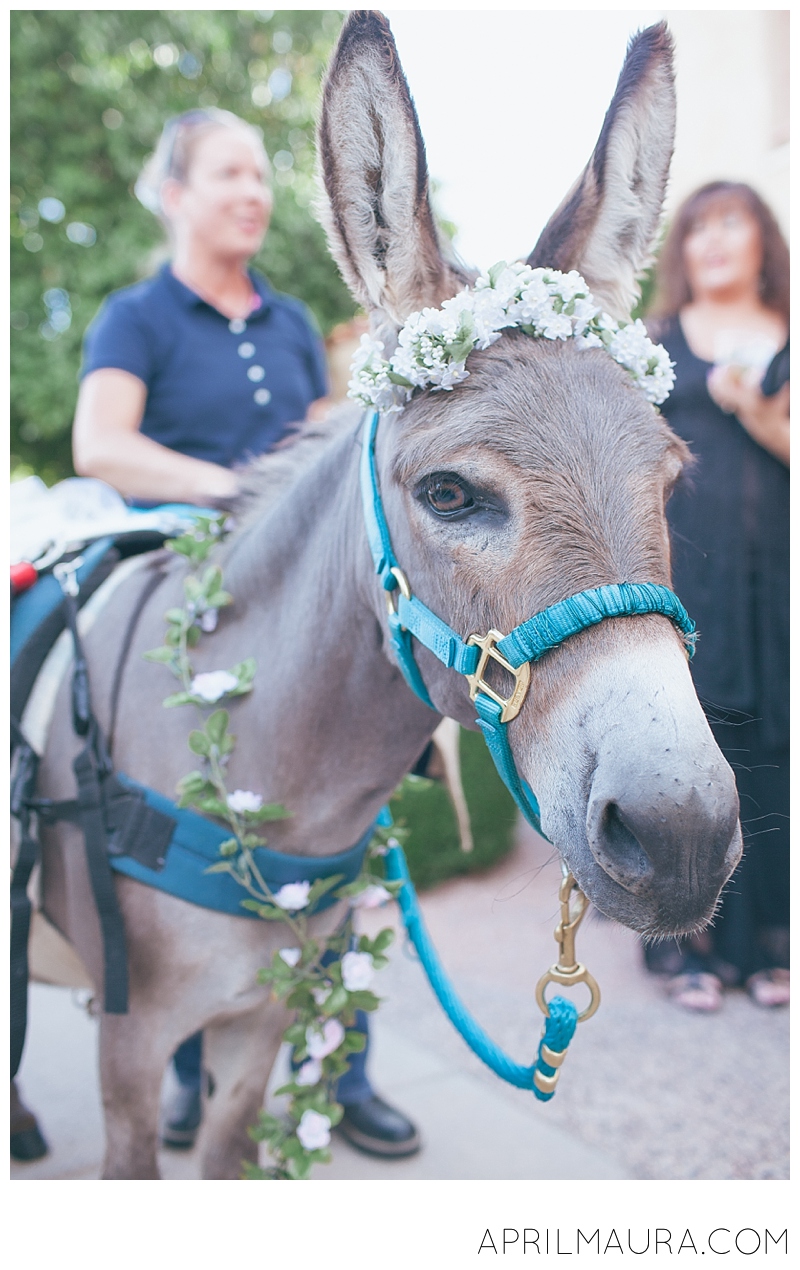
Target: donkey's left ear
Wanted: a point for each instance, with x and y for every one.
(607, 224)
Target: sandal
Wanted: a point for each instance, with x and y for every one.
(696, 991)
(769, 988)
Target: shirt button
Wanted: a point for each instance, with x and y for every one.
(237, 325)
(246, 350)
(262, 396)
(255, 374)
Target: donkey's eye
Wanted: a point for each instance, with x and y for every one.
(446, 495)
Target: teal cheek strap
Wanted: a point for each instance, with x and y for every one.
(410, 619)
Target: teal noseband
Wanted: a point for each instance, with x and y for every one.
(529, 641)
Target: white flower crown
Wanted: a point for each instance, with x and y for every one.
(434, 345)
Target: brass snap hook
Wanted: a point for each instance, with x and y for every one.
(567, 970)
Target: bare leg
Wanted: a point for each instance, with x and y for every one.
(240, 1053)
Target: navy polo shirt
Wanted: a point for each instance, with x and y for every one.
(217, 389)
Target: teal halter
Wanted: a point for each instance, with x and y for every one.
(514, 652)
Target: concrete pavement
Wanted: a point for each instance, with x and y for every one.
(647, 1091)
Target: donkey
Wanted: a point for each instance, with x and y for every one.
(560, 470)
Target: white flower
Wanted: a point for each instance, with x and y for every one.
(434, 344)
(314, 1130)
(310, 1073)
(213, 685)
(322, 1041)
(371, 897)
(293, 896)
(290, 955)
(321, 994)
(245, 800)
(357, 971)
(208, 621)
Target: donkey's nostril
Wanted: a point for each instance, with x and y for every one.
(617, 849)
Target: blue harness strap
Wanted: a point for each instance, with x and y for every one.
(195, 845)
(411, 619)
(559, 1026)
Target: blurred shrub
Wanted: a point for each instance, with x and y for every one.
(90, 91)
(433, 849)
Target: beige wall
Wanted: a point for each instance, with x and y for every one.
(733, 101)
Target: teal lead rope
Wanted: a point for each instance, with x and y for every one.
(561, 1015)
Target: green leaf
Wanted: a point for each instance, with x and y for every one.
(222, 866)
(383, 940)
(178, 699)
(295, 1034)
(394, 378)
(213, 807)
(217, 725)
(212, 579)
(336, 1001)
(364, 1000)
(354, 1042)
(270, 811)
(321, 887)
(245, 670)
(495, 271)
(219, 599)
(193, 783)
(163, 655)
(184, 545)
(199, 742)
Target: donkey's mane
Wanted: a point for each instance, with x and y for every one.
(268, 478)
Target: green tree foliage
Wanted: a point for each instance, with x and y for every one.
(91, 90)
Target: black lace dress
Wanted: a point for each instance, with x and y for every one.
(729, 526)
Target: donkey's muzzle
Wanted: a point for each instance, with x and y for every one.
(662, 858)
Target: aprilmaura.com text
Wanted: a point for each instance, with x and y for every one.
(721, 1241)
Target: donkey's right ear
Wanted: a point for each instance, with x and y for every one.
(607, 224)
(375, 207)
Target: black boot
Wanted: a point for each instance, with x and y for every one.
(181, 1117)
(378, 1129)
(27, 1142)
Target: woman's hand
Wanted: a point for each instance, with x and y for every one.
(765, 418)
(107, 444)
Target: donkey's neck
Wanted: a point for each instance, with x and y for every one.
(330, 727)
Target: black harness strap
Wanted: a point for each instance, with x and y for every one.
(88, 772)
(151, 585)
(22, 790)
(114, 819)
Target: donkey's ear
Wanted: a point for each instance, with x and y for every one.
(375, 207)
(607, 224)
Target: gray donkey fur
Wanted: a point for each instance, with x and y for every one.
(569, 470)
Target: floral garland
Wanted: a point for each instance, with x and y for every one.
(324, 980)
(434, 345)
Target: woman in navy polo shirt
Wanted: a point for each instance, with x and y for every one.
(188, 374)
(203, 366)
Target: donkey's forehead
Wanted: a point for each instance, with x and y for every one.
(537, 403)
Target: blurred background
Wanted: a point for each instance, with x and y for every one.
(514, 97)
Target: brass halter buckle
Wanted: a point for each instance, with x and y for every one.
(512, 705)
(402, 586)
(568, 971)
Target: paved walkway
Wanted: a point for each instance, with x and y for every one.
(646, 1092)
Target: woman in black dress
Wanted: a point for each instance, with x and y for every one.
(722, 310)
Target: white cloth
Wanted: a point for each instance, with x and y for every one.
(48, 522)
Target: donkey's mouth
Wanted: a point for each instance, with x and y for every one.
(635, 879)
